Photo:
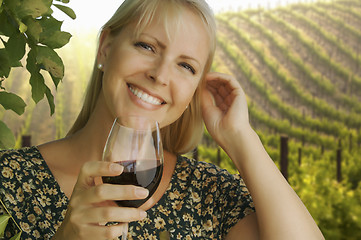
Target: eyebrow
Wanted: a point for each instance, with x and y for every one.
(189, 58)
(163, 46)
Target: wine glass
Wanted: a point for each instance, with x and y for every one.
(135, 143)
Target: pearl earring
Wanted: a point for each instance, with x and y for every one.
(100, 66)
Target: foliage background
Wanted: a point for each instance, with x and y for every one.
(28, 34)
(29, 29)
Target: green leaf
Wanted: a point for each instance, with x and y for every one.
(63, 1)
(33, 8)
(37, 86)
(1, 83)
(67, 10)
(50, 60)
(57, 40)
(34, 29)
(4, 63)
(16, 237)
(48, 13)
(55, 80)
(31, 64)
(3, 218)
(50, 98)
(49, 25)
(6, 28)
(1, 7)
(16, 48)
(13, 102)
(22, 27)
(16, 64)
(51, 35)
(7, 140)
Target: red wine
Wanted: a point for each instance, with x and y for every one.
(140, 173)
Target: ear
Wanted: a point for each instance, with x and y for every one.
(104, 46)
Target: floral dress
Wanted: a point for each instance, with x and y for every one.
(202, 201)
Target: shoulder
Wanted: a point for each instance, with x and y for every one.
(192, 164)
(20, 155)
(18, 168)
(207, 179)
(15, 160)
(205, 170)
(215, 194)
(16, 165)
(29, 192)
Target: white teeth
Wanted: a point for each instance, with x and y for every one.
(144, 96)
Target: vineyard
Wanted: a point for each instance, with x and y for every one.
(300, 66)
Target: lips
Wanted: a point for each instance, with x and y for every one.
(146, 97)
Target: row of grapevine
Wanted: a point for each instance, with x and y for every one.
(339, 69)
(317, 51)
(323, 83)
(330, 37)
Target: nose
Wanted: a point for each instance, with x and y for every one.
(159, 72)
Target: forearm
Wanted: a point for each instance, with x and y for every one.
(280, 212)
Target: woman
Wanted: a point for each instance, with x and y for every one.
(153, 59)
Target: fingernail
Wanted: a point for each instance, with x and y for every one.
(141, 192)
(143, 214)
(114, 167)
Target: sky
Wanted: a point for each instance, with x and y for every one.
(92, 14)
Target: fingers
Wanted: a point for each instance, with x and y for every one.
(222, 88)
(106, 192)
(100, 168)
(93, 169)
(224, 103)
(114, 214)
(223, 98)
(87, 193)
(224, 82)
(86, 219)
(99, 232)
(215, 79)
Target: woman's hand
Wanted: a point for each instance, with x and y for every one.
(224, 107)
(91, 205)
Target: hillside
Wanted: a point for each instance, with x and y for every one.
(300, 67)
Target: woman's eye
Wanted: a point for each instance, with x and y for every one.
(188, 67)
(144, 46)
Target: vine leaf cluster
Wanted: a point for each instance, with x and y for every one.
(29, 31)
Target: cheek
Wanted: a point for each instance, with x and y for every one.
(113, 94)
(116, 69)
(114, 87)
(183, 96)
(186, 92)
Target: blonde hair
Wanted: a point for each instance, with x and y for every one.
(184, 134)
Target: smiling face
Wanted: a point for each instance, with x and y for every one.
(154, 73)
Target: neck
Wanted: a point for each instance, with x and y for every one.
(89, 142)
